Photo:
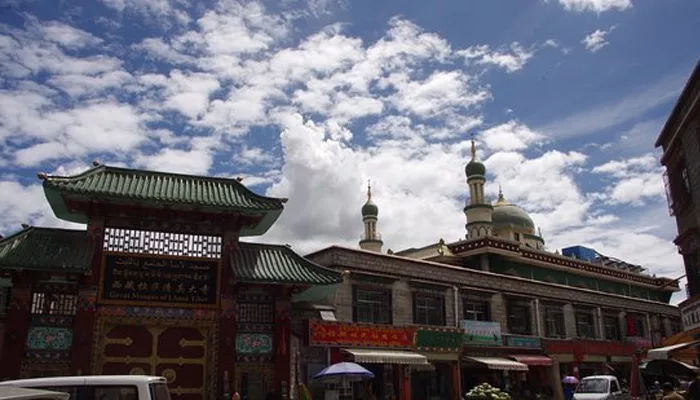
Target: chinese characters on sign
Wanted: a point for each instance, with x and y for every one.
(439, 340)
(338, 334)
(155, 280)
(523, 342)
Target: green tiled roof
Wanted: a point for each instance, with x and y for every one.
(46, 249)
(255, 262)
(159, 189)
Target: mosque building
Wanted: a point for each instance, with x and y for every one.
(494, 307)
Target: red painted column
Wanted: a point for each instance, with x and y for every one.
(405, 375)
(456, 381)
(84, 321)
(226, 376)
(282, 337)
(17, 323)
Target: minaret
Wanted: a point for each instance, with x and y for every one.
(372, 240)
(478, 211)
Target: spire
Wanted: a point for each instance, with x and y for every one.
(501, 199)
(473, 149)
(371, 240)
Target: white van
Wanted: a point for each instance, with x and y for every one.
(101, 387)
(599, 387)
(15, 393)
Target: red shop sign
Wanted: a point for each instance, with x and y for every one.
(356, 335)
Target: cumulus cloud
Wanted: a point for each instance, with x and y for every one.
(233, 90)
(596, 5)
(635, 181)
(597, 39)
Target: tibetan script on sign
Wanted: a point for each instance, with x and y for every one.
(354, 335)
(153, 280)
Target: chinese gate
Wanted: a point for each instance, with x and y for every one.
(180, 352)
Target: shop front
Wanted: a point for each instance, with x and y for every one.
(583, 358)
(385, 350)
(529, 350)
(485, 359)
(442, 347)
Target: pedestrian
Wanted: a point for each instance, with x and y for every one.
(669, 393)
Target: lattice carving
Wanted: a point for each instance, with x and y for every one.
(162, 243)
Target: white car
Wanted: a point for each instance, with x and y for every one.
(599, 387)
(100, 387)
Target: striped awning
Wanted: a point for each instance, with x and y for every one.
(534, 360)
(371, 356)
(501, 364)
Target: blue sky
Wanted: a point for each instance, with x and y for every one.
(308, 99)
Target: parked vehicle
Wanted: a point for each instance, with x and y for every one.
(100, 387)
(15, 393)
(599, 387)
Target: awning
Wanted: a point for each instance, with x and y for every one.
(501, 364)
(371, 356)
(663, 353)
(534, 360)
(437, 356)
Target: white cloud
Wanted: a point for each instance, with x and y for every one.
(595, 5)
(510, 136)
(25, 204)
(597, 39)
(511, 59)
(233, 92)
(635, 180)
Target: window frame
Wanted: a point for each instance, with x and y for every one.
(615, 324)
(561, 324)
(590, 314)
(43, 302)
(386, 303)
(476, 301)
(519, 304)
(441, 320)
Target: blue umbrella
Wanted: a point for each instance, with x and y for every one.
(347, 371)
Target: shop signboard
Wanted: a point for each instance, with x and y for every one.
(523, 342)
(340, 334)
(482, 333)
(439, 339)
(148, 280)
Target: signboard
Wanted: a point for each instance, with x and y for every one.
(131, 279)
(439, 340)
(323, 333)
(690, 313)
(640, 342)
(482, 333)
(524, 342)
(253, 343)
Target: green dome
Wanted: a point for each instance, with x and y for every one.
(475, 168)
(370, 209)
(506, 214)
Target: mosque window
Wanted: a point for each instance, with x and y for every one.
(428, 309)
(678, 187)
(585, 327)
(611, 327)
(372, 305)
(54, 298)
(476, 309)
(519, 316)
(516, 236)
(554, 321)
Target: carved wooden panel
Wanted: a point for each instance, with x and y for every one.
(161, 243)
